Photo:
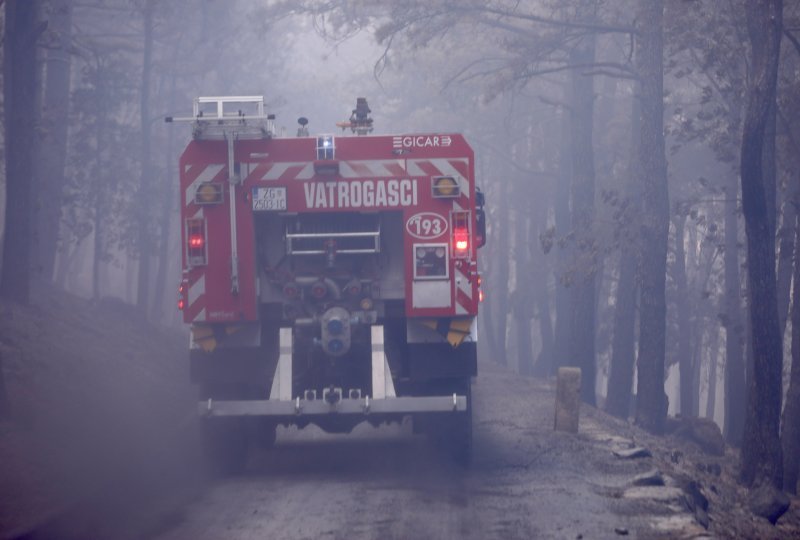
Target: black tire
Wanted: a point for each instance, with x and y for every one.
(263, 433)
(461, 432)
(452, 432)
(224, 445)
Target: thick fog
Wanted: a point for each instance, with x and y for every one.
(614, 143)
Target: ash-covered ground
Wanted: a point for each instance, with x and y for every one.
(102, 442)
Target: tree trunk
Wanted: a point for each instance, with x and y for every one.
(66, 262)
(503, 271)
(584, 267)
(735, 388)
(713, 358)
(165, 221)
(685, 366)
(563, 254)
(761, 450)
(143, 280)
(4, 406)
(20, 88)
(52, 151)
(790, 435)
(101, 194)
(487, 267)
(522, 298)
(97, 239)
(785, 252)
(623, 343)
(544, 362)
(651, 410)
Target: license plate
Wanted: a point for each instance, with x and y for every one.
(269, 198)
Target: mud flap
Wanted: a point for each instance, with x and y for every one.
(282, 381)
(382, 384)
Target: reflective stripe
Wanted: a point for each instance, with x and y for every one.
(196, 290)
(289, 171)
(392, 168)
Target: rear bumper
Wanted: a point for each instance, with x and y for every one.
(320, 408)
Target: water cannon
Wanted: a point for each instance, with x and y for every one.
(360, 121)
(361, 112)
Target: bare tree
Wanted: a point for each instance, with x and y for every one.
(732, 320)
(144, 242)
(790, 435)
(52, 148)
(623, 345)
(761, 449)
(582, 293)
(651, 410)
(19, 87)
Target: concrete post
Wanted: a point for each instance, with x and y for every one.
(568, 401)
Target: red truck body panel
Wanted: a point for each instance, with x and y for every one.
(370, 174)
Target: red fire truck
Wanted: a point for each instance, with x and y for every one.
(327, 279)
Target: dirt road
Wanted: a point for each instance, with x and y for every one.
(103, 444)
(526, 482)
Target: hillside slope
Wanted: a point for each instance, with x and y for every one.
(101, 410)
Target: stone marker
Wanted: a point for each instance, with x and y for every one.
(568, 389)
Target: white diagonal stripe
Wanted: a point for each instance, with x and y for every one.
(200, 316)
(197, 289)
(306, 172)
(207, 175)
(463, 283)
(413, 168)
(376, 168)
(444, 166)
(277, 170)
(346, 171)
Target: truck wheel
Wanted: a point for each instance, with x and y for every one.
(263, 433)
(461, 432)
(452, 432)
(224, 445)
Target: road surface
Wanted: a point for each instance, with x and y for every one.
(527, 481)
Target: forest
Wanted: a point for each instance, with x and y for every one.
(640, 161)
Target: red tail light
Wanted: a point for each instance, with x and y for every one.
(182, 290)
(461, 235)
(196, 242)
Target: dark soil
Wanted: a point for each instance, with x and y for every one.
(101, 438)
(100, 434)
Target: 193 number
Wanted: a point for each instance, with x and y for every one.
(426, 225)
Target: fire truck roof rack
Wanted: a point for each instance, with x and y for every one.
(214, 117)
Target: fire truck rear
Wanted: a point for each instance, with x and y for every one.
(327, 279)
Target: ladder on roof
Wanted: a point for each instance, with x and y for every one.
(230, 118)
(217, 117)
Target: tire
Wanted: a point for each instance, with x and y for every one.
(224, 445)
(263, 433)
(461, 432)
(452, 432)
